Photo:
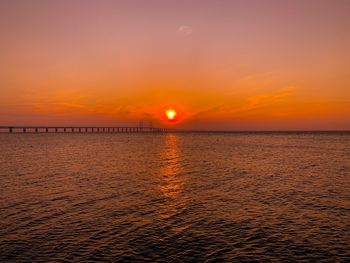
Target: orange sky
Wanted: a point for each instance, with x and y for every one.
(223, 65)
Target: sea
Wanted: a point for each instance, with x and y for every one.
(175, 197)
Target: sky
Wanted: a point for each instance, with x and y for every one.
(221, 64)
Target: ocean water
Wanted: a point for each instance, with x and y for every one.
(199, 197)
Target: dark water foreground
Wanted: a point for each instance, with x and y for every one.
(175, 197)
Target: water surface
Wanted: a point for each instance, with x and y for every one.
(175, 197)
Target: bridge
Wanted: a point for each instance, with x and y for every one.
(80, 129)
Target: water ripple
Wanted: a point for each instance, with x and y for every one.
(175, 197)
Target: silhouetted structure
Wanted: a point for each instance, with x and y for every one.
(83, 129)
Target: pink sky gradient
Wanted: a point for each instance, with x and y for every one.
(240, 65)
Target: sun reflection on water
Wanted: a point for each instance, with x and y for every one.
(171, 181)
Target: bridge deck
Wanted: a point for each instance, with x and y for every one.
(77, 129)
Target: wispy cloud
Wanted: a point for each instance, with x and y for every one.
(185, 30)
(74, 103)
(264, 100)
(233, 107)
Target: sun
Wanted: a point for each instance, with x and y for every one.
(170, 114)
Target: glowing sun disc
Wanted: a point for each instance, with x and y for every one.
(170, 114)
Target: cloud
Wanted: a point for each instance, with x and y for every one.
(185, 30)
(253, 103)
(265, 100)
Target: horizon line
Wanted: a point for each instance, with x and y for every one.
(179, 129)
